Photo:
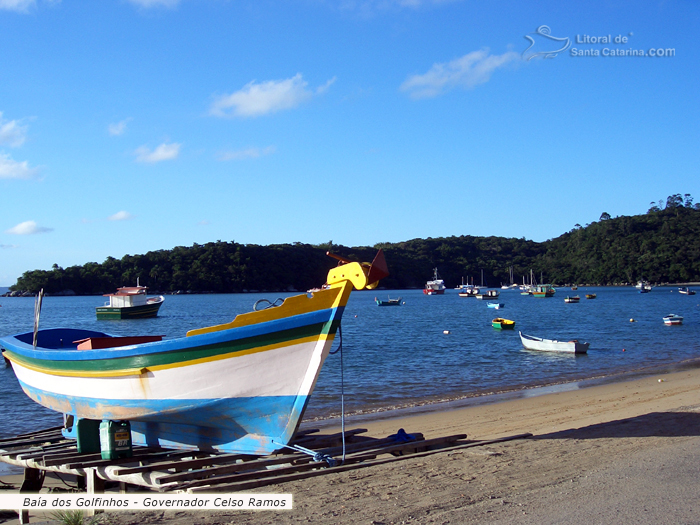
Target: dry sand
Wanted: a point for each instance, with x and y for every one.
(626, 452)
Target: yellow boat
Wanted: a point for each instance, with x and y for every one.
(502, 324)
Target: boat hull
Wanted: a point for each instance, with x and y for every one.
(503, 324)
(549, 345)
(143, 311)
(237, 388)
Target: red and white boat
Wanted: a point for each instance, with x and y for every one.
(436, 286)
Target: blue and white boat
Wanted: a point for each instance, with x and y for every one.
(239, 387)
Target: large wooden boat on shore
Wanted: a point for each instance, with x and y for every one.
(238, 387)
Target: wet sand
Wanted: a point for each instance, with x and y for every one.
(615, 453)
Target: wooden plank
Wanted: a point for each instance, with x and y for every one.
(359, 452)
(256, 465)
(255, 476)
(52, 430)
(137, 456)
(188, 464)
(247, 485)
(318, 441)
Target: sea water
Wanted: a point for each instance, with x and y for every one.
(429, 349)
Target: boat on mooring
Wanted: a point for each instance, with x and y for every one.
(130, 302)
(239, 387)
(530, 342)
(673, 319)
(436, 286)
(686, 291)
(502, 324)
(388, 302)
(573, 299)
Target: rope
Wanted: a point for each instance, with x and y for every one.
(342, 389)
(269, 304)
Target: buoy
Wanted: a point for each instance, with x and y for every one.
(632, 321)
(445, 332)
(623, 349)
(661, 380)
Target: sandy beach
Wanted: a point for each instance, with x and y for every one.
(622, 452)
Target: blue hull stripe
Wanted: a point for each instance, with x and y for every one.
(245, 425)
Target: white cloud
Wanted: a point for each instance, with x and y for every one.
(248, 153)
(118, 128)
(11, 169)
(120, 216)
(21, 6)
(147, 4)
(28, 228)
(266, 97)
(12, 132)
(162, 152)
(466, 72)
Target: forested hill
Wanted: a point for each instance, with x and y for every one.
(661, 246)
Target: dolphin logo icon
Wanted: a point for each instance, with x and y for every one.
(544, 33)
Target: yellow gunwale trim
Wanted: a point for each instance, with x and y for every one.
(333, 297)
(141, 371)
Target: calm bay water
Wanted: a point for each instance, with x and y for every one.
(400, 356)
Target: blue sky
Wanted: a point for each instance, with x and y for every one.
(135, 125)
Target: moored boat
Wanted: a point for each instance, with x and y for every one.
(643, 286)
(673, 319)
(489, 294)
(502, 324)
(238, 387)
(686, 291)
(130, 302)
(497, 306)
(531, 342)
(591, 296)
(574, 299)
(436, 286)
(543, 290)
(388, 302)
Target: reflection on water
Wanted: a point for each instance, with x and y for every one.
(400, 356)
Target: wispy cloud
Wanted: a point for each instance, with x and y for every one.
(118, 128)
(12, 132)
(248, 153)
(256, 99)
(7, 246)
(12, 169)
(161, 153)
(147, 4)
(121, 216)
(465, 72)
(28, 228)
(22, 6)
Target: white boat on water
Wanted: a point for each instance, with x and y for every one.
(673, 319)
(436, 286)
(643, 286)
(531, 342)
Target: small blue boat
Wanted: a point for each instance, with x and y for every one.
(497, 306)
